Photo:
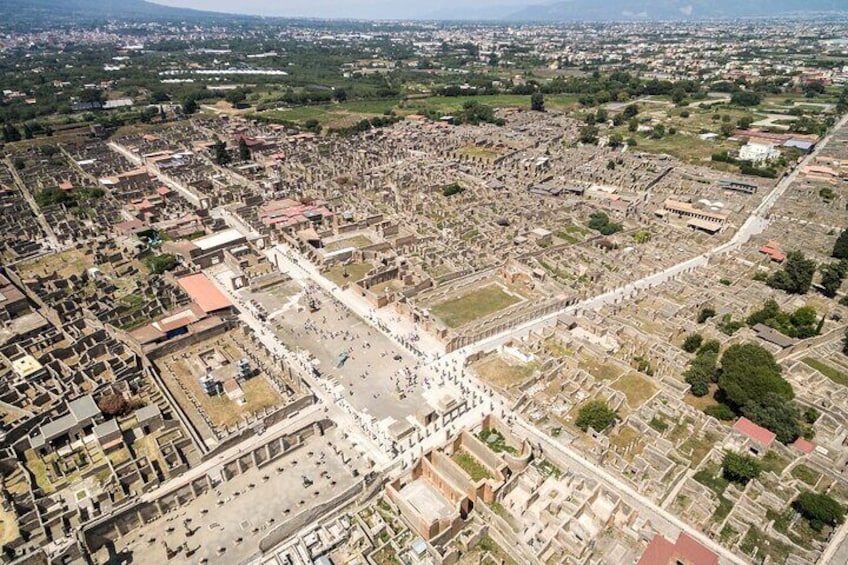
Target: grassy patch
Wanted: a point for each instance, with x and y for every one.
(698, 447)
(599, 369)
(476, 151)
(832, 373)
(805, 474)
(728, 535)
(636, 388)
(38, 468)
(658, 424)
(567, 237)
(496, 371)
(356, 241)
(472, 305)
(710, 476)
(722, 510)
(773, 462)
(470, 465)
(756, 540)
(355, 271)
(627, 436)
(65, 264)
(795, 527)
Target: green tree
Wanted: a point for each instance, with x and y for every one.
(189, 106)
(630, 111)
(840, 248)
(740, 468)
(749, 372)
(819, 509)
(745, 98)
(616, 140)
(219, 150)
(845, 343)
(244, 150)
(632, 125)
(10, 133)
(701, 372)
(236, 97)
(774, 412)
(692, 343)
(601, 116)
(595, 414)
(600, 222)
(796, 275)
(744, 122)
(833, 274)
(769, 311)
(537, 102)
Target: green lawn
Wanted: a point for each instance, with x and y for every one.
(805, 474)
(478, 303)
(832, 373)
(470, 465)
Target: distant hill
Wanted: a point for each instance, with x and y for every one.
(43, 13)
(629, 10)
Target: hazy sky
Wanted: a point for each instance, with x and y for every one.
(365, 9)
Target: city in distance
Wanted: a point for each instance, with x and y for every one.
(443, 283)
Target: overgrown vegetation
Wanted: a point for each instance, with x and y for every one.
(802, 323)
(600, 222)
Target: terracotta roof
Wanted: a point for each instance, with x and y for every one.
(685, 550)
(804, 446)
(204, 293)
(757, 433)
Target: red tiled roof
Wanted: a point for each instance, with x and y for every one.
(803, 445)
(757, 433)
(204, 293)
(685, 550)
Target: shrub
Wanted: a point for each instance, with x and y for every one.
(692, 343)
(451, 189)
(705, 314)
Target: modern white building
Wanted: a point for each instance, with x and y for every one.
(758, 153)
